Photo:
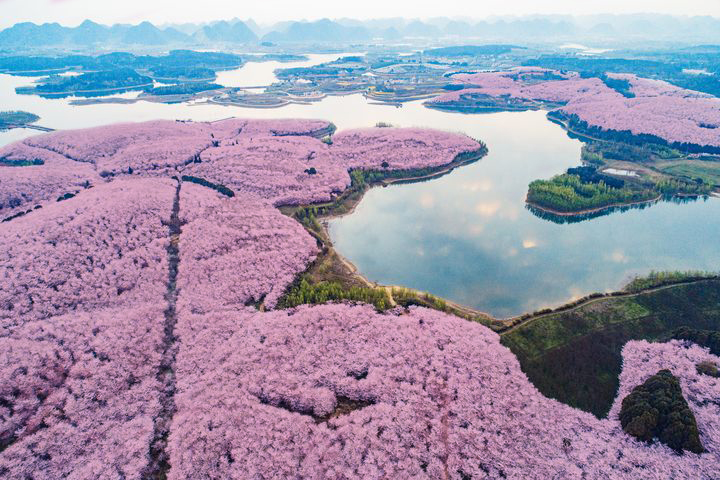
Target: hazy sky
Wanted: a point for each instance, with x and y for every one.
(72, 12)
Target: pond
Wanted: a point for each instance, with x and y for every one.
(466, 236)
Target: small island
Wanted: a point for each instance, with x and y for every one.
(16, 119)
(584, 190)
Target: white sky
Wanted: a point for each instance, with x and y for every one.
(72, 12)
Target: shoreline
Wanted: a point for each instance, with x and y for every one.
(347, 207)
(28, 126)
(498, 325)
(589, 211)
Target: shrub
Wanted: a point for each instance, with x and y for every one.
(708, 368)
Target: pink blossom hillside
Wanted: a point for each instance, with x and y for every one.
(657, 108)
(345, 392)
(400, 148)
(235, 251)
(48, 177)
(105, 247)
(642, 359)
(232, 127)
(138, 146)
(275, 168)
(279, 160)
(79, 394)
(292, 170)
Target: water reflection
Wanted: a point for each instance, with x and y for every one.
(468, 236)
(262, 74)
(581, 217)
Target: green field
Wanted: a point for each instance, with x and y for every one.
(575, 356)
(709, 172)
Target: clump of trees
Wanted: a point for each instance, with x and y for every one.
(8, 162)
(589, 174)
(306, 292)
(407, 298)
(673, 186)
(205, 183)
(657, 409)
(708, 368)
(16, 117)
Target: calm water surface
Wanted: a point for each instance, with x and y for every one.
(466, 236)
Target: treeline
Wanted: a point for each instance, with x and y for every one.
(598, 152)
(675, 186)
(305, 292)
(185, 60)
(110, 81)
(205, 183)
(182, 72)
(182, 89)
(705, 338)
(7, 162)
(406, 298)
(470, 50)
(658, 279)
(626, 136)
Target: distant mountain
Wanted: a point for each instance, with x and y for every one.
(421, 29)
(30, 35)
(88, 32)
(145, 34)
(462, 29)
(224, 31)
(608, 29)
(320, 31)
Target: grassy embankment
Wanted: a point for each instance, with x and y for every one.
(331, 277)
(573, 354)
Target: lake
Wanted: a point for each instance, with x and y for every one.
(466, 236)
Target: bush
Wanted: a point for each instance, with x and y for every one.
(708, 368)
(657, 409)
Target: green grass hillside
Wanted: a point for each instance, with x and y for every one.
(574, 356)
